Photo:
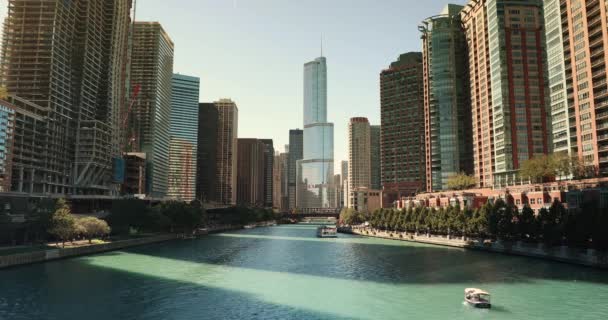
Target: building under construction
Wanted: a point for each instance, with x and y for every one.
(64, 65)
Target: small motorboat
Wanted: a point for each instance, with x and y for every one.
(249, 226)
(477, 298)
(327, 232)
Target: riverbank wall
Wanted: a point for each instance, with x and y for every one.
(62, 253)
(585, 257)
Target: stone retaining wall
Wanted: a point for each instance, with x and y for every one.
(586, 257)
(60, 253)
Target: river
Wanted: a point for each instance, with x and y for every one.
(285, 272)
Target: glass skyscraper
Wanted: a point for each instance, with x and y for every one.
(316, 169)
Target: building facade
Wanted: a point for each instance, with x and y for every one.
(402, 128)
(268, 169)
(152, 70)
(374, 148)
(227, 151)
(183, 137)
(577, 42)
(344, 183)
(315, 172)
(507, 69)
(296, 152)
(66, 61)
(7, 137)
(279, 181)
(206, 159)
(250, 168)
(447, 116)
(359, 155)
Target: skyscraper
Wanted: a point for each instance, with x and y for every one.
(316, 169)
(226, 156)
(268, 167)
(207, 164)
(152, 69)
(343, 183)
(64, 65)
(448, 141)
(7, 135)
(577, 40)
(183, 133)
(296, 146)
(402, 128)
(250, 168)
(376, 173)
(359, 155)
(508, 88)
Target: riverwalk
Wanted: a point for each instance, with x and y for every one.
(579, 256)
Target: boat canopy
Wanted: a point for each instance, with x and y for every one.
(475, 291)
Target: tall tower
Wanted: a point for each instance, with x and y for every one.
(507, 68)
(227, 151)
(152, 69)
(316, 169)
(448, 142)
(359, 154)
(296, 145)
(183, 137)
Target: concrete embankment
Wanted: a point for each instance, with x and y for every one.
(586, 257)
(61, 253)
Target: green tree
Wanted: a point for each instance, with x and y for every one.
(461, 181)
(527, 224)
(63, 224)
(92, 227)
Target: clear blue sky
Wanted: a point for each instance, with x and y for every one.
(253, 51)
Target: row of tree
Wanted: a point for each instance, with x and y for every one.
(66, 226)
(554, 225)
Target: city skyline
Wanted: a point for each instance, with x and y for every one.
(353, 80)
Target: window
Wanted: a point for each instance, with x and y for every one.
(532, 201)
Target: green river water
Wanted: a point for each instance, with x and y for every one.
(285, 272)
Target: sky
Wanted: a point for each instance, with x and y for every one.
(253, 52)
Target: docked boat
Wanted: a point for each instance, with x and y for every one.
(477, 298)
(327, 232)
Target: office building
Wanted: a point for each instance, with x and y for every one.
(447, 116)
(206, 159)
(359, 155)
(250, 168)
(268, 168)
(374, 147)
(507, 73)
(183, 133)
(152, 70)
(227, 152)
(402, 128)
(296, 150)
(7, 135)
(315, 172)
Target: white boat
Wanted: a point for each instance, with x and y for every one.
(249, 226)
(327, 232)
(477, 298)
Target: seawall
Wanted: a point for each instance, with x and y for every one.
(579, 256)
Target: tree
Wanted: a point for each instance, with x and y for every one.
(539, 168)
(92, 227)
(63, 224)
(527, 223)
(461, 181)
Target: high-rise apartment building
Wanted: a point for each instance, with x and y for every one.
(316, 169)
(183, 139)
(359, 155)
(250, 168)
(577, 42)
(343, 182)
(227, 152)
(374, 148)
(65, 63)
(296, 150)
(402, 128)
(152, 70)
(447, 116)
(279, 181)
(206, 160)
(268, 167)
(507, 73)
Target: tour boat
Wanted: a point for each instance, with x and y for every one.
(477, 298)
(327, 232)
